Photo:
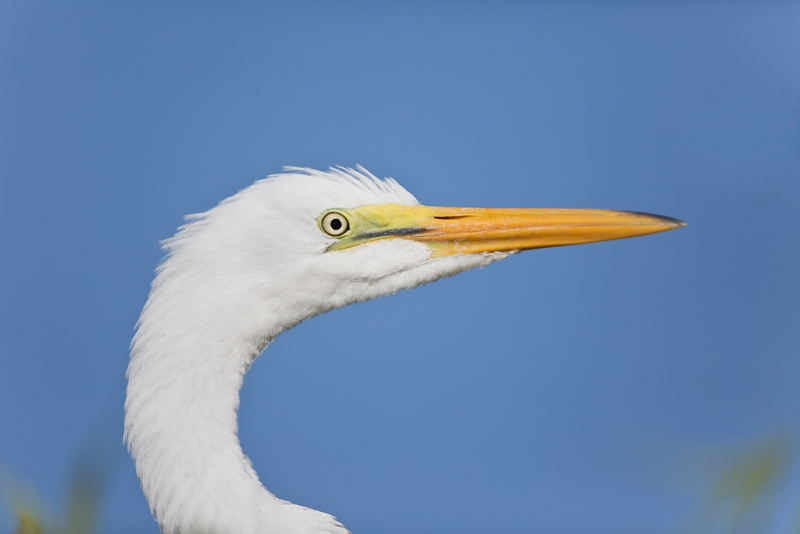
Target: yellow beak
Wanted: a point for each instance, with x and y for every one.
(483, 230)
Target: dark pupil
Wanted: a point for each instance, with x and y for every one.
(336, 224)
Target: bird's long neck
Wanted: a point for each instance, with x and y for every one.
(181, 427)
(187, 364)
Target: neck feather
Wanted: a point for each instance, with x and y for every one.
(188, 359)
(181, 422)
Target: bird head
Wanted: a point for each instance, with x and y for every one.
(302, 243)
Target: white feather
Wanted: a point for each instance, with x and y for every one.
(234, 278)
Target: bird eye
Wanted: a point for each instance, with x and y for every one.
(335, 224)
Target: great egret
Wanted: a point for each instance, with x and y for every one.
(285, 249)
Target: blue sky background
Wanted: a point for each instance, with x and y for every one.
(558, 391)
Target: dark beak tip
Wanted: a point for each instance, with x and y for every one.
(675, 223)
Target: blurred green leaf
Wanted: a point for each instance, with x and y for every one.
(743, 495)
(27, 523)
(752, 475)
(84, 496)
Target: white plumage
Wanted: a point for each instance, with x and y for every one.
(234, 278)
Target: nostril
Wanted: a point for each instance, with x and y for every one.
(449, 217)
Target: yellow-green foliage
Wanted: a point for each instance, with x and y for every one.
(85, 491)
(745, 494)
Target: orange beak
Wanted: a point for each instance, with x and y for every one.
(450, 231)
